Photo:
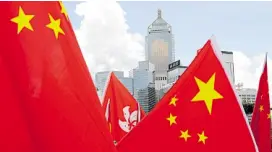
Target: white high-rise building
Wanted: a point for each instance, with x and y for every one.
(175, 70)
(247, 95)
(159, 49)
(159, 41)
(160, 79)
(228, 64)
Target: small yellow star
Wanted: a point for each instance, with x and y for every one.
(261, 108)
(173, 101)
(55, 26)
(63, 9)
(185, 135)
(268, 116)
(22, 20)
(172, 119)
(207, 93)
(202, 137)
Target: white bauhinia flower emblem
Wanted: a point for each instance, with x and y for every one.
(131, 119)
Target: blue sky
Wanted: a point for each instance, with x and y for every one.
(241, 26)
(108, 44)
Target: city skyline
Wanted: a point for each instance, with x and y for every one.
(248, 63)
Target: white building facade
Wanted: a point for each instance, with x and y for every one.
(143, 85)
(247, 95)
(228, 64)
(160, 44)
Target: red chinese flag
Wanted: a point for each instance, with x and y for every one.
(48, 100)
(261, 121)
(121, 109)
(199, 113)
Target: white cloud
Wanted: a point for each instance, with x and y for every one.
(248, 69)
(104, 38)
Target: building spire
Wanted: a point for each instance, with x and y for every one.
(159, 13)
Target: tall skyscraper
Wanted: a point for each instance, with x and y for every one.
(142, 75)
(146, 97)
(159, 49)
(160, 44)
(144, 89)
(228, 63)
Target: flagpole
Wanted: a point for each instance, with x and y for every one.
(139, 112)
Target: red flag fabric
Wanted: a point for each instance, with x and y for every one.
(121, 109)
(48, 99)
(261, 121)
(199, 113)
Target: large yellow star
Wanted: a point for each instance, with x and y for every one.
(55, 26)
(63, 9)
(261, 108)
(207, 93)
(172, 119)
(202, 137)
(22, 20)
(173, 101)
(185, 135)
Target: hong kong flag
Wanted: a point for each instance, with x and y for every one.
(122, 111)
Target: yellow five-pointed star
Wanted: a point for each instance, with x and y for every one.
(207, 93)
(268, 116)
(173, 101)
(261, 108)
(55, 26)
(172, 119)
(185, 135)
(202, 137)
(63, 9)
(22, 20)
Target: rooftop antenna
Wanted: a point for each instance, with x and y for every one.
(159, 13)
(239, 86)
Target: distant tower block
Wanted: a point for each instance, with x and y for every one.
(159, 43)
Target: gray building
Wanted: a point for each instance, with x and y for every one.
(142, 75)
(175, 70)
(247, 95)
(143, 83)
(101, 79)
(160, 44)
(146, 97)
(128, 83)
